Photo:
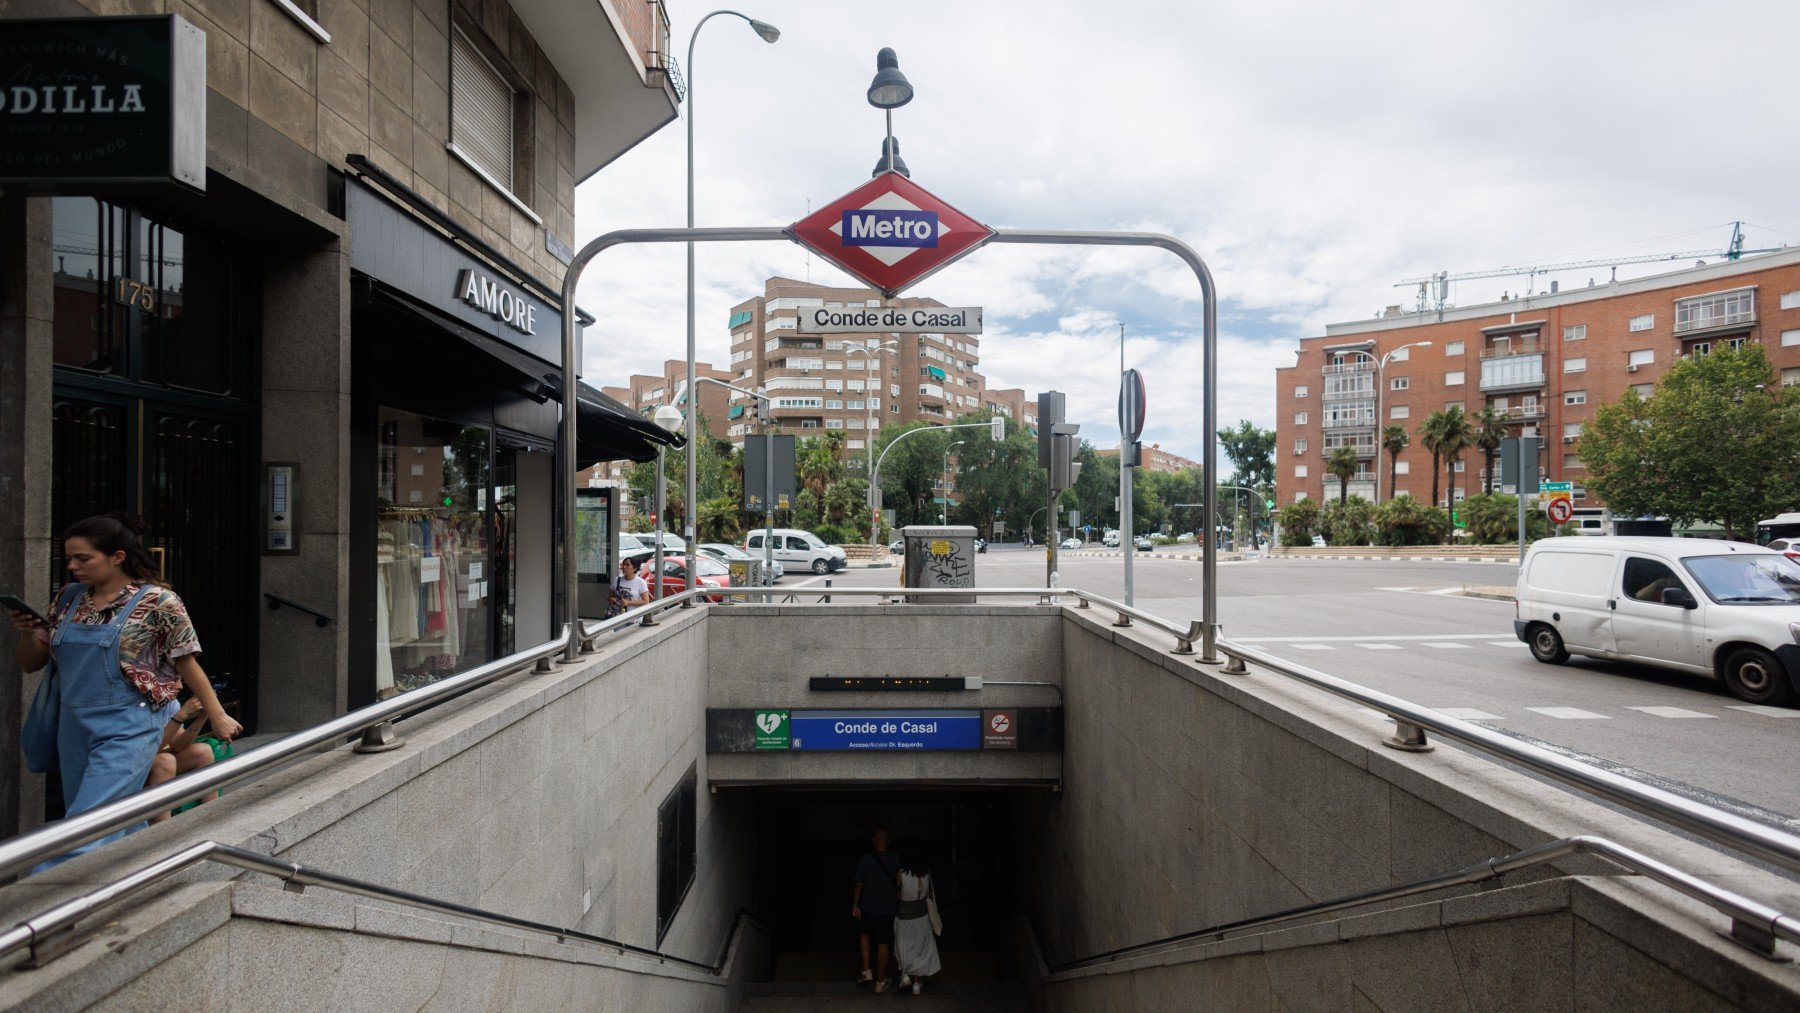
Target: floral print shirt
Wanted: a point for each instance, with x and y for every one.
(156, 633)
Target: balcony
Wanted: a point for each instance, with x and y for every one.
(1522, 413)
(1517, 371)
(1506, 349)
(1363, 366)
(1715, 314)
(932, 390)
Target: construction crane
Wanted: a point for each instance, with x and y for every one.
(1441, 280)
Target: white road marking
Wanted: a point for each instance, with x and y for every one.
(1671, 712)
(1765, 710)
(1379, 647)
(1507, 643)
(1468, 714)
(1448, 646)
(1312, 647)
(1568, 713)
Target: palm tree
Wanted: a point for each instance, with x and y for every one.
(1491, 429)
(1431, 434)
(1394, 439)
(1458, 435)
(1342, 463)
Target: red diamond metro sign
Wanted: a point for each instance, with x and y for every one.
(890, 233)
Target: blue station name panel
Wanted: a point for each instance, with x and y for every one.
(887, 729)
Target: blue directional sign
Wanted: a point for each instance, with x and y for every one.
(880, 729)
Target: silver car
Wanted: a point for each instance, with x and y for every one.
(726, 553)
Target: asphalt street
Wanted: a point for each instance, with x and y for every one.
(1400, 627)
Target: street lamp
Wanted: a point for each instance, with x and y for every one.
(1380, 398)
(889, 91)
(947, 450)
(668, 417)
(768, 33)
(871, 362)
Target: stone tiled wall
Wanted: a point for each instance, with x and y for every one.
(285, 106)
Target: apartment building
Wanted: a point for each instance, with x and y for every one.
(856, 383)
(1545, 361)
(1157, 459)
(1013, 403)
(646, 393)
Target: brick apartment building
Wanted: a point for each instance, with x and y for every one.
(828, 382)
(646, 393)
(1547, 361)
(1158, 459)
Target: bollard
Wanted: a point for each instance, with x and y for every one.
(827, 599)
(1407, 737)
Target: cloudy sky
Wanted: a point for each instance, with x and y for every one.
(1313, 153)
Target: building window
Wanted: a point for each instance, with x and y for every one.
(1718, 310)
(1448, 405)
(1575, 365)
(1459, 468)
(1790, 300)
(1643, 323)
(481, 113)
(1643, 389)
(1790, 377)
(1454, 378)
(1736, 343)
(1572, 462)
(1790, 339)
(1402, 467)
(893, 409)
(1299, 471)
(1399, 411)
(1575, 332)
(1574, 397)
(1299, 418)
(676, 839)
(1400, 355)
(1299, 447)
(1303, 391)
(1400, 383)
(1571, 432)
(1641, 357)
(1700, 349)
(1453, 348)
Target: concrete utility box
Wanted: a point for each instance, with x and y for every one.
(939, 556)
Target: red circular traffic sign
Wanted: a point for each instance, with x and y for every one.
(1561, 510)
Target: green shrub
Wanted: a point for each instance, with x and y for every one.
(1349, 521)
(1299, 521)
(1493, 519)
(1404, 520)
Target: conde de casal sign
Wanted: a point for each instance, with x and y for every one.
(891, 319)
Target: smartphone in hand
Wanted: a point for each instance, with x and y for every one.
(14, 603)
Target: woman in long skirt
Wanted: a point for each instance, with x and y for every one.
(915, 942)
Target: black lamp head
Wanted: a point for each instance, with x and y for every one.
(898, 164)
(890, 89)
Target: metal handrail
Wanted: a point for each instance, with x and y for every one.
(51, 932)
(1754, 924)
(1412, 721)
(21, 853)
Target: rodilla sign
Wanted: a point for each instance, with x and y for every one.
(886, 730)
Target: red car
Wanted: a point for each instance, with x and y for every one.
(675, 574)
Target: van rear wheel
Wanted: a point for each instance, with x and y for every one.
(1755, 675)
(1546, 644)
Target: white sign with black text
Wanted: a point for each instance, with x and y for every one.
(891, 319)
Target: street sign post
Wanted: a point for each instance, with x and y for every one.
(1133, 402)
(1559, 501)
(890, 233)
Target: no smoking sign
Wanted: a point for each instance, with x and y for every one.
(999, 729)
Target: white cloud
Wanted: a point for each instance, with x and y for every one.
(1313, 153)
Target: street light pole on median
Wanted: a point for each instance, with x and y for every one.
(768, 33)
(946, 497)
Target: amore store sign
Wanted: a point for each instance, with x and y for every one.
(87, 101)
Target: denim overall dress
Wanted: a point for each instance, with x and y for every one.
(108, 732)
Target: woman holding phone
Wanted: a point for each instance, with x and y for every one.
(123, 648)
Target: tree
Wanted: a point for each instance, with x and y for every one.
(1342, 464)
(1394, 439)
(1299, 521)
(999, 481)
(819, 462)
(1662, 455)
(908, 473)
(1431, 435)
(1458, 434)
(1252, 453)
(1490, 429)
(1348, 521)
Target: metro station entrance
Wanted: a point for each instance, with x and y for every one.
(809, 842)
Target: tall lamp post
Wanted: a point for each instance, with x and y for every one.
(946, 513)
(1380, 398)
(768, 33)
(768, 419)
(667, 417)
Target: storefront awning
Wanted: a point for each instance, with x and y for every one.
(610, 431)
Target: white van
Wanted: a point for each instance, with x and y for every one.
(799, 550)
(1725, 609)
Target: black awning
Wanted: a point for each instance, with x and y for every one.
(608, 430)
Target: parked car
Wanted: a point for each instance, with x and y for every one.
(1789, 547)
(1144, 544)
(897, 546)
(1110, 539)
(712, 573)
(726, 552)
(1722, 609)
(1071, 543)
(802, 550)
(631, 545)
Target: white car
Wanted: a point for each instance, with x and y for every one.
(1071, 543)
(1789, 547)
(1729, 610)
(1110, 539)
(799, 549)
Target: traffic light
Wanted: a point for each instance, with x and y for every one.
(1050, 413)
(999, 430)
(1058, 447)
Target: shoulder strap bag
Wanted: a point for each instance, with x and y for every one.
(37, 737)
